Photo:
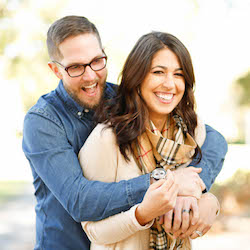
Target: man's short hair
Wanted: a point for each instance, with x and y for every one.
(66, 27)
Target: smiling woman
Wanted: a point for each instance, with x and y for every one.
(158, 65)
(163, 86)
(150, 127)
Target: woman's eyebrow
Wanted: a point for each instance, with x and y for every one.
(179, 69)
(160, 66)
(164, 67)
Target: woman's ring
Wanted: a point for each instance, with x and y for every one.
(199, 233)
(186, 210)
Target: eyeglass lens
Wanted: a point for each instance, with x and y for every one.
(77, 70)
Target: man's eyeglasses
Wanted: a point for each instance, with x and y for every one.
(79, 69)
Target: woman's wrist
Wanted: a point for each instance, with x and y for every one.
(140, 216)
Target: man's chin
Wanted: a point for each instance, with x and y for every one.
(93, 104)
(90, 106)
(88, 102)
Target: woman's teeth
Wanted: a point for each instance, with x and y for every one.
(166, 97)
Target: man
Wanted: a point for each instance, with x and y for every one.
(55, 129)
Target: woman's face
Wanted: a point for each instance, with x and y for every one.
(164, 84)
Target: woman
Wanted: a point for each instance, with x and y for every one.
(152, 124)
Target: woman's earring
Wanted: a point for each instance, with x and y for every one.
(138, 91)
(187, 103)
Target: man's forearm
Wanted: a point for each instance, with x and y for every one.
(54, 161)
(214, 150)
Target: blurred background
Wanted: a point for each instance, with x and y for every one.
(215, 33)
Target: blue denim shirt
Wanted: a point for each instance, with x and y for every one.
(55, 129)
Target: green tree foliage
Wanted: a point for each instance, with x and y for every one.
(238, 185)
(23, 52)
(8, 34)
(244, 84)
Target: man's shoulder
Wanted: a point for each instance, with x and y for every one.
(111, 90)
(48, 105)
(215, 138)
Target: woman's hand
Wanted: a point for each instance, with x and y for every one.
(178, 220)
(159, 199)
(208, 210)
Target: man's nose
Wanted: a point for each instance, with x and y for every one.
(89, 74)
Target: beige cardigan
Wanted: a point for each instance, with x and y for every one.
(101, 160)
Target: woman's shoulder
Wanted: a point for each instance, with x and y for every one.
(101, 138)
(102, 131)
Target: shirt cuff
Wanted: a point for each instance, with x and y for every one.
(136, 189)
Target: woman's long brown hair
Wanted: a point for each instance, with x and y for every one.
(127, 113)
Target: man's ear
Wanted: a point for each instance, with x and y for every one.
(55, 69)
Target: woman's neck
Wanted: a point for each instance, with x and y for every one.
(159, 122)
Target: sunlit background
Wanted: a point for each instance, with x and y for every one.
(216, 33)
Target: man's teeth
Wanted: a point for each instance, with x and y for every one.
(91, 86)
(166, 97)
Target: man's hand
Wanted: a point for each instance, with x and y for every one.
(159, 199)
(189, 182)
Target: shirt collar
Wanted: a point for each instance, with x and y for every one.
(69, 101)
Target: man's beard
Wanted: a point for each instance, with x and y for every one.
(88, 105)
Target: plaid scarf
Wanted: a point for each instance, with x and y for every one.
(169, 149)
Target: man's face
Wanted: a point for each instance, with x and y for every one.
(87, 89)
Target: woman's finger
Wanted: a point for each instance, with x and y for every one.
(168, 219)
(197, 233)
(177, 218)
(185, 218)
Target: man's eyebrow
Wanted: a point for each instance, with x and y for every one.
(77, 63)
(73, 63)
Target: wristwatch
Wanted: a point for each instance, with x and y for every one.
(159, 173)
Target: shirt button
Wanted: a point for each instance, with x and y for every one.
(86, 110)
(79, 113)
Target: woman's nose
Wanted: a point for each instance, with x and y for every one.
(169, 81)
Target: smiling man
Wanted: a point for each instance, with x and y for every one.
(56, 128)
(84, 84)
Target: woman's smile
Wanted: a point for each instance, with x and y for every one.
(164, 85)
(165, 97)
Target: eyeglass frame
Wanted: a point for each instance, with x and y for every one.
(84, 65)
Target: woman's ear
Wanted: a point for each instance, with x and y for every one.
(55, 69)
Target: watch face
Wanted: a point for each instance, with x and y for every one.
(159, 173)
